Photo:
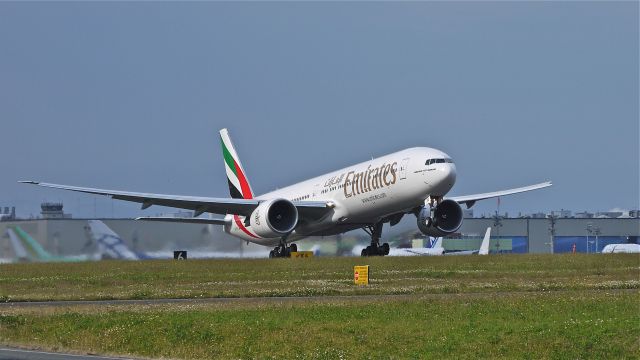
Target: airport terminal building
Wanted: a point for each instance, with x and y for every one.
(60, 234)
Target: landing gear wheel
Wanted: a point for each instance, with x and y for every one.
(375, 231)
(293, 248)
(272, 254)
(384, 249)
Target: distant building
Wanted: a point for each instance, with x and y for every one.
(467, 213)
(561, 214)
(609, 214)
(8, 214)
(53, 211)
(584, 215)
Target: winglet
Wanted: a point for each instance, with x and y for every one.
(29, 182)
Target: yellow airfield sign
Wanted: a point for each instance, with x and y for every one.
(302, 254)
(361, 275)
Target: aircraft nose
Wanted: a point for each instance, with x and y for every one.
(448, 175)
(445, 178)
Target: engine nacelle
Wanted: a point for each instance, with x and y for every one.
(447, 219)
(274, 218)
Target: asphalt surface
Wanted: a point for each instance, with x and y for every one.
(19, 354)
(245, 300)
(283, 299)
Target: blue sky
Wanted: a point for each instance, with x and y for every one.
(131, 96)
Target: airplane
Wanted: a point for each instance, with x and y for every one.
(21, 254)
(111, 246)
(362, 196)
(621, 248)
(35, 251)
(437, 249)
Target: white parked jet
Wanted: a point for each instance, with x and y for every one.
(621, 248)
(437, 249)
(363, 196)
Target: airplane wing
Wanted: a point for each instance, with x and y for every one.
(200, 205)
(470, 200)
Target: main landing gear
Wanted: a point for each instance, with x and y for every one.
(375, 249)
(282, 250)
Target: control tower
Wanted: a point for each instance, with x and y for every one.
(53, 211)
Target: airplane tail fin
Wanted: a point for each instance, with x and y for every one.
(238, 184)
(35, 246)
(16, 244)
(484, 247)
(110, 245)
(437, 244)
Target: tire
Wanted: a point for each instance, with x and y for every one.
(364, 253)
(271, 255)
(294, 248)
(384, 250)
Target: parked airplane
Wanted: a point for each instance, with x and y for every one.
(21, 254)
(437, 249)
(111, 246)
(363, 196)
(35, 251)
(621, 248)
(434, 250)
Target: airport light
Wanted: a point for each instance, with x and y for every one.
(552, 230)
(497, 223)
(596, 232)
(589, 231)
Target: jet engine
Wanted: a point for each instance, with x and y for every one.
(447, 219)
(274, 218)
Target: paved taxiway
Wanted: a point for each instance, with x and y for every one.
(19, 354)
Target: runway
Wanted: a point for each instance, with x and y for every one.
(281, 299)
(19, 354)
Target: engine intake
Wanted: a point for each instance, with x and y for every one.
(274, 218)
(447, 219)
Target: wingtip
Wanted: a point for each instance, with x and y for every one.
(28, 182)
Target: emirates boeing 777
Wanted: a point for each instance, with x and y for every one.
(362, 196)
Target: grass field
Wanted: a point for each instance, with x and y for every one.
(316, 276)
(563, 306)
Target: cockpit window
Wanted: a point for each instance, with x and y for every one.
(438, 161)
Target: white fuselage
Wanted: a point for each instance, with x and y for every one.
(364, 193)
